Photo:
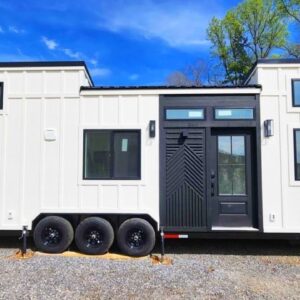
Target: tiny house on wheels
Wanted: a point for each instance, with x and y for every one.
(104, 164)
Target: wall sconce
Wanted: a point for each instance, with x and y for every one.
(269, 128)
(152, 129)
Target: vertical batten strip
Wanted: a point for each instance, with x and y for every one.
(42, 162)
(23, 149)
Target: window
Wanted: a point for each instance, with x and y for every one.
(297, 153)
(296, 92)
(1, 95)
(231, 165)
(111, 154)
(234, 113)
(185, 114)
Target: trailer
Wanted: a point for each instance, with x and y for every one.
(98, 165)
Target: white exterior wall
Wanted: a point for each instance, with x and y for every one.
(280, 191)
(39, 176)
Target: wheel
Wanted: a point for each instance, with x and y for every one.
(136, 237)
(94, 236)
(53, 234)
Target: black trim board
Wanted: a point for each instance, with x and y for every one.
(35, 64)
(234, 235)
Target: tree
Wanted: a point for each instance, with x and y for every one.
(178, 78)
(248, 32)
(291, 9)
(192, 75)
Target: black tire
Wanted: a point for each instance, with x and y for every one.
(136, 237)
(94, 236)
(53, 234)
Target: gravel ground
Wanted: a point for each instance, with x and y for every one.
(207, 269)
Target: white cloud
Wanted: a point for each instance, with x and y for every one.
(1, 29)
(133, 77)
(178, 24)
(51, 44)
(16, 30)
(94, 62)
(72, 54)
(100, 72)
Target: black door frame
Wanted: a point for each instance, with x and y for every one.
(209, 102)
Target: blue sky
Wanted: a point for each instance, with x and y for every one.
(124, 42)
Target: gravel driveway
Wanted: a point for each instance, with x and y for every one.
(201, 269)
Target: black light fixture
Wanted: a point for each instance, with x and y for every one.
(152, 129)
(269, 127)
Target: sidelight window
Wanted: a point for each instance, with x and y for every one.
(111, 154)
(231, 165)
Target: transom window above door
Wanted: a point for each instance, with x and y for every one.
(234, 113)
(184, 114)
(231, 165)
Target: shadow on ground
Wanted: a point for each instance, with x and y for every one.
(199, 246)
(231, 247)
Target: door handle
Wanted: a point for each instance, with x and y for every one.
(212, 183)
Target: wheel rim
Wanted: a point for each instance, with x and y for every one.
(94, 238)
(136, 238)
(51, 236)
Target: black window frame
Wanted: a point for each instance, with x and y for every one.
(111, 170)
(297, 178)
(293, 93)
(1, 95)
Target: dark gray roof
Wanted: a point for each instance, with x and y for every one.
(162, 87)
(32, 64)
(278, 61)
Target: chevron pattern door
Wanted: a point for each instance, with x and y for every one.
(185, 201)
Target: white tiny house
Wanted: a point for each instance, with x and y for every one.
(98, 164)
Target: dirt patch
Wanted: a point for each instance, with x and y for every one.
(20, 255)
(157, 260)
(107, 256)
(288, 260)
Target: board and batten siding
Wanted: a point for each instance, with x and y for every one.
(280, 191)
(122, 112)
(39, 176)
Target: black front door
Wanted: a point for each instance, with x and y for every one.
(184, 165)
(231, 178)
